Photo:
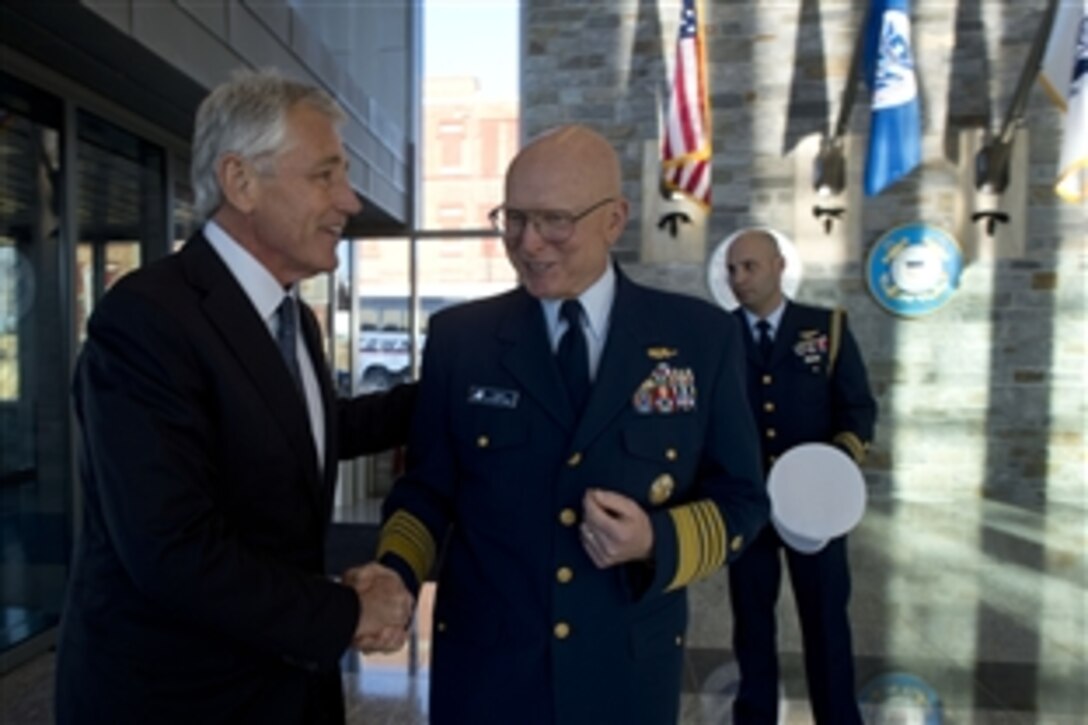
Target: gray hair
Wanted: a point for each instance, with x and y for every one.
(246, 116)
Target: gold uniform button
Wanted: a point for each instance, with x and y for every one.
(769, 407)
(564, 574)
(767, 379)
(574, 460)
(671, 454)
(562, 630)
(771, 433)
(736, 543)
(441, 626)
(483, 442)
(567, 517)
(661, 489)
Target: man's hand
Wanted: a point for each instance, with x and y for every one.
(615, 529)
(385, 608)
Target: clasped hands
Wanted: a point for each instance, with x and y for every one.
(615, 529)
(385, 608)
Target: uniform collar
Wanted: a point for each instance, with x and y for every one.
(774, 319)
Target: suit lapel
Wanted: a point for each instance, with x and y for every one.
(528, 357)
(230, 312)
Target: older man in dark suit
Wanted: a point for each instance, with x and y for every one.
(584, 443)
(210, 435)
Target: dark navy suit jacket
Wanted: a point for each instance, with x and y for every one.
(197, 592)
(526, 628)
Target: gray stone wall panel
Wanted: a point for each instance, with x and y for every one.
(985, 396)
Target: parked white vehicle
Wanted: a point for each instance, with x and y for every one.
(384, 358)
(384, 342)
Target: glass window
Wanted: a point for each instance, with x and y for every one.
(122, 207)
(341, 358)
(35, 472)
(314, 291)
(469, 109)
(469, 132)
(184, 217)
(383, 313)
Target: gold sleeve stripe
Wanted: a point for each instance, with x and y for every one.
(836, 338)
(853, 444)
(700, 542)
(407, 537)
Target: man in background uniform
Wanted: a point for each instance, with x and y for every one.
(806, 383)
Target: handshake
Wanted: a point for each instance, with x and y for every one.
(385, 608)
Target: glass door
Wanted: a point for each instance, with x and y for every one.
(35, 473)
(122, 209)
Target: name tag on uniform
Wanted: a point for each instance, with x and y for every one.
(494, 397)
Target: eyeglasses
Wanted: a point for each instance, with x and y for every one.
(553, 225)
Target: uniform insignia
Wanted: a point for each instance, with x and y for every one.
(661, 489)
(494, 397)
(666, 391)
(660, 353)
(812, 347)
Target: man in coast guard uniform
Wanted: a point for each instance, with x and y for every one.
(806, 383)
(579, 476)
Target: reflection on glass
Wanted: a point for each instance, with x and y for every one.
(84, 288)
(185, 222)
(121, 208)
(98, 267)
(121, 258)
(10, 284)
(34, 412)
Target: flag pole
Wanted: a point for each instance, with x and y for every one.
(829, 174)
(992, 160)
(850, 90)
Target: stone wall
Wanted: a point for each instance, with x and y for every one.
(985, 396)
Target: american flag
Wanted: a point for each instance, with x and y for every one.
(685, 151)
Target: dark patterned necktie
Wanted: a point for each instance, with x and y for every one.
(765, 342)
(573, 355)
(286, 336)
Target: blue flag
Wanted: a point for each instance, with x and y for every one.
(895, 133)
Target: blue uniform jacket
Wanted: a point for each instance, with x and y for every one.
(526, 628)
(814, 388)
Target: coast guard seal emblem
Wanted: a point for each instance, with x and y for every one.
(913, 270)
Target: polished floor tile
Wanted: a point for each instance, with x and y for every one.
(983, 603)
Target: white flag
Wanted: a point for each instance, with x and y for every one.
(1065, 76)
